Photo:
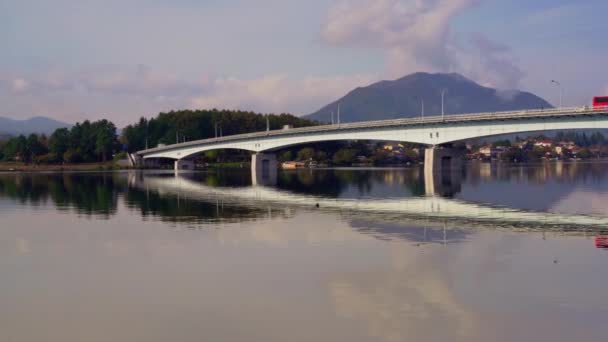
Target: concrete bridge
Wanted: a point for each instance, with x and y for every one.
(437, 132)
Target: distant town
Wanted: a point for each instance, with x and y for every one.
(562, 146)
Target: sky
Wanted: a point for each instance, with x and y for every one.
(123, 59)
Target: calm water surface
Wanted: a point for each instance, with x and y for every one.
(496, 253)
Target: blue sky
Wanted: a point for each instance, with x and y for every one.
(76, 60)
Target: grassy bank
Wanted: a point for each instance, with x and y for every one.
(229, 165)
(31, 167)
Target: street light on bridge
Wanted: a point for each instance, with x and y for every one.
(443, 91)
(561, 92)
(421, 105)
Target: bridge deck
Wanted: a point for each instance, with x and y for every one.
(418, 121)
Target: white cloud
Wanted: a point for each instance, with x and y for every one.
(123, 94)
(19, 84)
(278, 93)
(554, 15)
(415, 36)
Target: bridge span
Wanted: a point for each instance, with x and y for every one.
(437, 132)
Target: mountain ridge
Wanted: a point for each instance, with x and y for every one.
(35, 124)
(402, 97)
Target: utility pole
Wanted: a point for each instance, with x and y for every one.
(176, 137)
(332, 117)
(561, 92)
(338, 114)
(442, 103)
(421, 105)
(267, 124)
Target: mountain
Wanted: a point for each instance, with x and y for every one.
(401, 99)
(37, 124)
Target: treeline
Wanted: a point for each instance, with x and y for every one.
(84, 142)
(98, 141)
(346, 153)
(187, 125)
(582, 139)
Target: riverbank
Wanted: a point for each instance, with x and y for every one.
(31, 167)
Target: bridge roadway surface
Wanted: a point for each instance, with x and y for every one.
(432, 131)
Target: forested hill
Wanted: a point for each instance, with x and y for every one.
(188, 125)
(98, 141)
(403, 98)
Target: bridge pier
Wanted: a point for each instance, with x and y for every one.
(264, 169)
(135, 160)
(439, 160)
(184, 164)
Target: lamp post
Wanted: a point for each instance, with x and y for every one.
(267, 124)
(561, 92)
(443, 91)
(421, 105)
(338, 114)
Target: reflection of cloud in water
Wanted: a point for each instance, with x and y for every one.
(320, 228)
(22, 246)
(413, 231)
(584, 202)
(409, 301)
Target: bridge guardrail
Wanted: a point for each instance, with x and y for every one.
(429, 120)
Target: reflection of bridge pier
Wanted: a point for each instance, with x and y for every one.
(442, 171)
(445, 184)
(264, 169)
(184, 164)
(439, 159)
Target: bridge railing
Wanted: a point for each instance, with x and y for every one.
(437, 119)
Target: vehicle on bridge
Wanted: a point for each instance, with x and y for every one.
(600, 102)
(601, 241)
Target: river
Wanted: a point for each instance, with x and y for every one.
(493, 253)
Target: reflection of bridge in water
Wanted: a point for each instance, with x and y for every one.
(432, 207)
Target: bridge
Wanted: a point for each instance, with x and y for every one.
(437, 132)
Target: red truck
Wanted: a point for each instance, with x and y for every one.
(600, 102)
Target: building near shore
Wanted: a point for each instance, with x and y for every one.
(292, 165)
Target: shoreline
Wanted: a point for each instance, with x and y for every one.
(113, 166)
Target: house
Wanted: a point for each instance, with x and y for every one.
(291, 165)
(393, 146)
(488, 151)
(543, 143)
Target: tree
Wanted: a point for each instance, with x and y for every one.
(285, 156)
(72, 156)
(321, 156)
(344, 156)
(34, 147)
(59, 143)
(584, 153)
(306, 153)
(105, 141)
(16, 149)
(201, 124)
(504, 143)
